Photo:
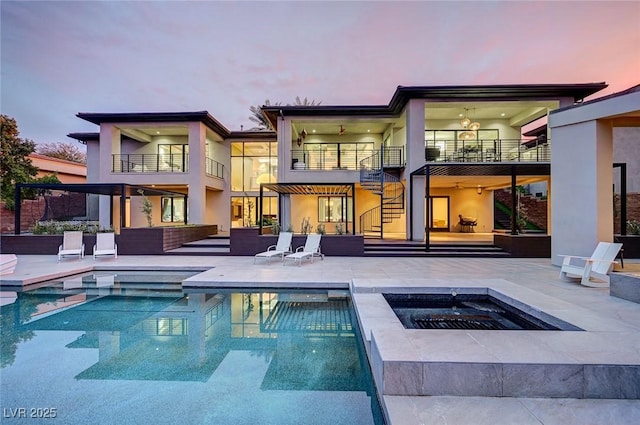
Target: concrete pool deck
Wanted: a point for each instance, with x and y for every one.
(590, 307)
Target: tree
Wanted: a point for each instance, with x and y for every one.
(15, 165)
(258, 118)
(263, 123)
(66, 151)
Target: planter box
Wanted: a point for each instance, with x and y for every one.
(40, 244)
(630, 244)
(625, 286)
(248, 241)
(524, 245)
(131, 241)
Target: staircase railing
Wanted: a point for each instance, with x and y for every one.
(391, 191)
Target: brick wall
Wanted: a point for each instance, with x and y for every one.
(62, 207)
(30, 213)
(536, 207)
(633, 210)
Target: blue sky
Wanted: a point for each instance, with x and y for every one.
(61, 58)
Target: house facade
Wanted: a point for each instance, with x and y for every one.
(421, 163)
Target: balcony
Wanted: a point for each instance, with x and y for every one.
(499, 150)
(343, 158)
(161, 163)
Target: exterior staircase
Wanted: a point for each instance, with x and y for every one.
(213, 245)
(391, 192)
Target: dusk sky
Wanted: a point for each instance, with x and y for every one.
(61, 58)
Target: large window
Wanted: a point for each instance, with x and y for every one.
(331, 156)
(445, 145)
(334, 209)
(253, 163)
(172, 209)
(173, 158)
(244, 210)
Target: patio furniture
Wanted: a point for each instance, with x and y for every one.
(311, 249)
(598, 266)
(467, 224)
(71, 245)
(105, 245)
(282, 247)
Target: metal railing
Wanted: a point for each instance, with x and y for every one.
(150, 163)
(342, 159)
(213, 168)
(161, 163)
(391, 191)
(498, 150)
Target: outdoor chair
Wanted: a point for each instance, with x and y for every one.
(105, 245)
(71, 245)
(597, 267)
(310, 249)
(282, 247)
(467, 224)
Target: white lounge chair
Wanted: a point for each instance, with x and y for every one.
(282, 247)
(311, 249)
(105, 245)
(71, 245)
(597, 266)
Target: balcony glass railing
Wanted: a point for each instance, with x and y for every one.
(499, 150)
(342, 159)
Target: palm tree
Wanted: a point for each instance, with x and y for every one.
(261, 120)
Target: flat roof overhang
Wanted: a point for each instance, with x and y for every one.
(156, 117)
(122, 190)
(442, 93)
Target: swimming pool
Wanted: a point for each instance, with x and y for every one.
(129, 347)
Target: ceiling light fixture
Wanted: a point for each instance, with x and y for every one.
(470, 127)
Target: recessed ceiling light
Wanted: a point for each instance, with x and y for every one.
(157, 132)
(313, 131)
(460, 115)
(368, 131)
(502, 114)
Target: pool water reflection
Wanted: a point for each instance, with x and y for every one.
(126, 347)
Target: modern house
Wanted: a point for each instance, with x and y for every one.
(421, 163)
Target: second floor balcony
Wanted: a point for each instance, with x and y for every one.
(498, 150)
(161, 163)
(329, 158)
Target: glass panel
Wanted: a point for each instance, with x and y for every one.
(236, 149)
(236, 174)
(439, 213)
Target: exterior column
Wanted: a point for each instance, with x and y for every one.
(415, 159)
(581, 188)
(197, 200)
(110, 137)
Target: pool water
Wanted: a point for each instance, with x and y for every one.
(129, 347)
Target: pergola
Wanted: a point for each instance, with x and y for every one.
(316, 189)
(112, 190)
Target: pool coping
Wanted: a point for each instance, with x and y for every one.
(599, 362)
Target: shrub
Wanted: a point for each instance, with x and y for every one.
(633, 227)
